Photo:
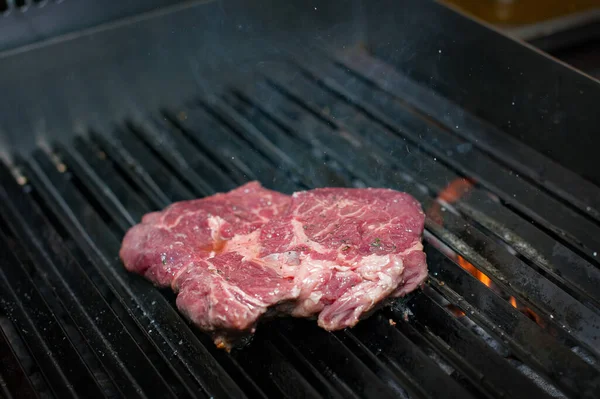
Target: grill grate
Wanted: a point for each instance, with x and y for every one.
(510, 309)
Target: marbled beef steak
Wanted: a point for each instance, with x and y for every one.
(330, 253)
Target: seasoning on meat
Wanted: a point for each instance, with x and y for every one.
(332, 253)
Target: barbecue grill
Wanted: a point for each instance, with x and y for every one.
(493, 138)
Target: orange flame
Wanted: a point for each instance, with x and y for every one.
(455, 310)
(533, 316)
(526, 311)
(453, 192)
(478, 274)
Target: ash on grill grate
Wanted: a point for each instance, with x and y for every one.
(502, 315)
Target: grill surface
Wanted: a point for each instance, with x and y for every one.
(511, 308)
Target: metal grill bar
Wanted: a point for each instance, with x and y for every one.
(146, 162)
(473, 357)
(527, 339)
(174, 157)
(242, 164)
(42, 332)
(129, 167)
(83, 303)
(13, 377)
(401, 355)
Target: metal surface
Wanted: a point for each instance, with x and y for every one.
(147, 62)
(510, 309)
(25, 22)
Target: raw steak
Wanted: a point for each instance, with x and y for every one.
(334, 253)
